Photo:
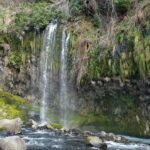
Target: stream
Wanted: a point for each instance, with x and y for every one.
(49, 140)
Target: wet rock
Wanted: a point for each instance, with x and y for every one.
(93, 141)
(12, 125)
(49, 127)
(103, 133)
(75, 131)
(93, 83)
(88, 133)
(100, 83)
(34, 124)
(42, 126)
(63, 130)
(12, 143)
(103, 146)
(107, 79)
(112, 137)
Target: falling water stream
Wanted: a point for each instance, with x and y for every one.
(47, 75)
(64, 102)
(46, 67)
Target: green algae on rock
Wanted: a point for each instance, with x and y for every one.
(13, 106)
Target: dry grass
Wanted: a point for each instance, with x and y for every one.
(86, 34)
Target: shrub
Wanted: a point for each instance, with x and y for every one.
(122, 6)
(15, 60)
(76, 7)
(35, 15)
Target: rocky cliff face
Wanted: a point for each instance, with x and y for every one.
(20, 81)
(116, 105)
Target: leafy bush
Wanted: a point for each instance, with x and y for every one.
(76, 7)
(15, 60)
(122, 6)
(35, 15)
(131, 58)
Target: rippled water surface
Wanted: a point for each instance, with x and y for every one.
(45, 140)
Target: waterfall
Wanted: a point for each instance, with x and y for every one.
(64, 101)
(46, 64)
(56, 92)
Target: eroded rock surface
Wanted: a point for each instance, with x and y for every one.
(12, 143)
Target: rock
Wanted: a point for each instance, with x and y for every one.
(111, 136)
(12, 125)
(87, 133)
(5, 47)
(107, 79)
(118, 138)
(12, 143)
(100, 83)
(93, 83)
(49, 126)
(103, 133)
(34, 124)
(93, 141)
(42, 126)
(103, 146)
(91, 6)
(75, 131)
(64, 130)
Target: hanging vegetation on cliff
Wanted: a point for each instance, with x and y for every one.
(121, 45)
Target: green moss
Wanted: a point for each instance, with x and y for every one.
(3, 129)
(119, 113)
(56, 126)
(76, 7)
(125, 125)
(12, 106)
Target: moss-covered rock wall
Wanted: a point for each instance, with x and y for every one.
(13, 106)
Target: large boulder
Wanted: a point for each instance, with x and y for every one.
(93, 141)
(12, 125)
(5, 47)
(12, 143)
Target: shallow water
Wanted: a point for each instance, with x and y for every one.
(45, 140)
